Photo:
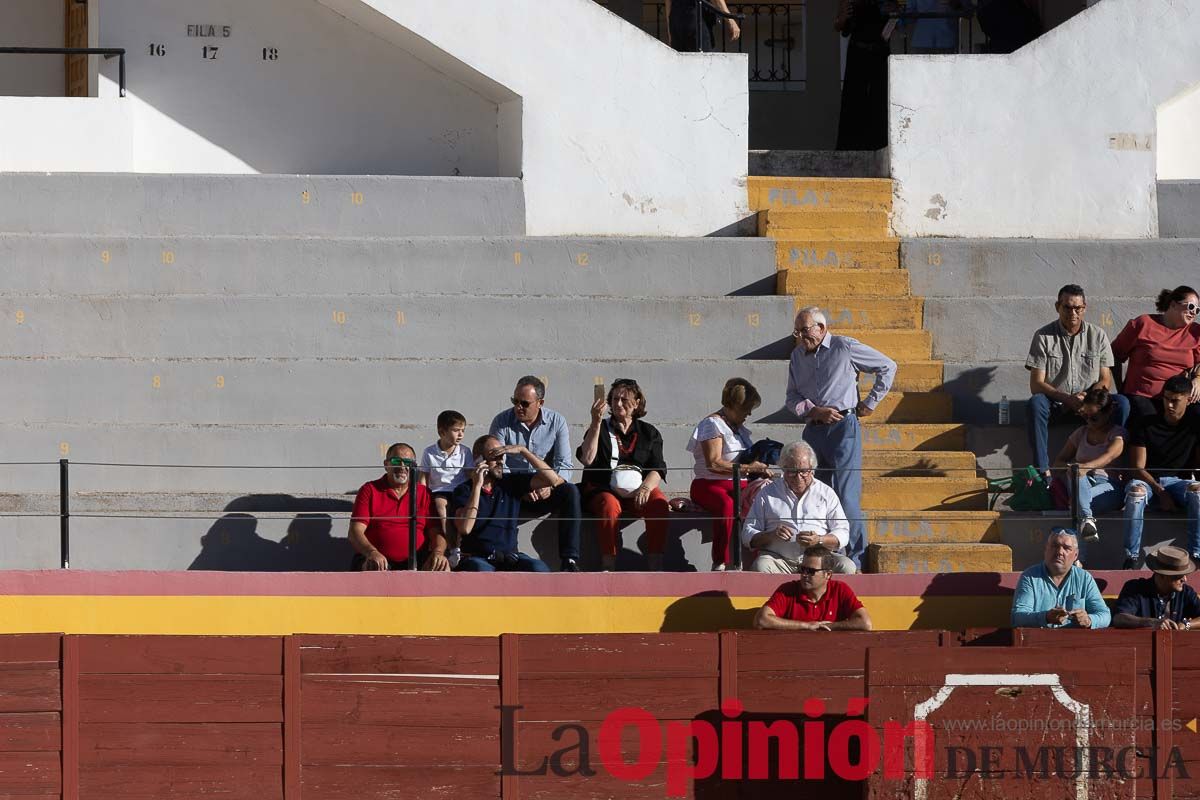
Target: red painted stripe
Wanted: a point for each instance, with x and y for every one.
(404, 584)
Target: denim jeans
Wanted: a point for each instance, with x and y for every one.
(523, 563)
(1098, 495)
(1135, 510)
(1041, 412)
(839, 456)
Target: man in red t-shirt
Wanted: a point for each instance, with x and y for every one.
(379, 523)
(814, 603)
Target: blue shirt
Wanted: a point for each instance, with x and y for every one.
(1036, 594)
(828, 376)
(1140, 597)
(495, 528)
(549, 439)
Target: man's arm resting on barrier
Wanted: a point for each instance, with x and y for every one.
(860, 620)
(767, 620)
(363, 546)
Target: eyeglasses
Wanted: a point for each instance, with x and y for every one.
(805, 472)
(808, 572)
(523, 403)
(1074, 309)
(799, 329)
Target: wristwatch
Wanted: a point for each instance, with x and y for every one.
(1187, 624)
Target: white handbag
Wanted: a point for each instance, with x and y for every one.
(626, 478)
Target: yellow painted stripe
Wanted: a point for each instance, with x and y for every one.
(446, 616)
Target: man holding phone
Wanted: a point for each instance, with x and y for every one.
(794, 512)
(1058, 593)
(381, 522)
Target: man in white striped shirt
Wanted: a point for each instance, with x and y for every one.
(794, 512)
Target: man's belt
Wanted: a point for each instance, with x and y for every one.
(844, 412)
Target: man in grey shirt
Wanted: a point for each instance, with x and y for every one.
(1066, 358)
(823, 391)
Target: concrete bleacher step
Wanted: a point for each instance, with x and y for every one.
(933, 527)
(891, 312)
(340, 205)
(923, 558)
(844, 254)
(382, 326)
(1179, 209)
(899, 345)
(903, 407)
(913, 463)
(72, 264)
(842, 283)
(935, 436)
(911, 376)
(967, 493)
(818, 194)
(823, 224)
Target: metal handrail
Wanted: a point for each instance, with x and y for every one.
(107, 52)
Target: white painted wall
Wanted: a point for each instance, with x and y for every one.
(65, 134)
(1055, 140)
(1179, 137)
(621, 134)
(32, 23)
(339, 100)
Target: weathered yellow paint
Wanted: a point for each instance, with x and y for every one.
(944, 436)
(918, 494)
(909, 463)
(933, 527)
(809, 284)
(823, 224)
(950, 557)
(825, 194)
(837, 253)
(897, 345)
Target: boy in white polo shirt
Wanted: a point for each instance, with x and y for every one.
(446, 464)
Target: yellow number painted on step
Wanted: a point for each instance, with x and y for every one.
(356, 198)
(168, 257)
(220, 381)
(64, 449)
(935, 259)
(157, 382)
(20, 317)
(582, 259)
(105, 256)
(400, 320)
(1106, 319)
(339, 317)
(517, 258)
(305, 197)
(382, 450)
(754, 320)
(694, 320)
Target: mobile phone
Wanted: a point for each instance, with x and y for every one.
(598, 392)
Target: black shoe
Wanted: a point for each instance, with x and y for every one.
(570, 565)
(1132, 563)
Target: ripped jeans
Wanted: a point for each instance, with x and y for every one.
(1135, 510)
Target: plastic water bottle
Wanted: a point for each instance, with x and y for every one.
(1003, 410)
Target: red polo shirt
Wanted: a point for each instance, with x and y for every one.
(837, 604)
(386, 517)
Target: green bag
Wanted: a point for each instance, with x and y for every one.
(1030, 492)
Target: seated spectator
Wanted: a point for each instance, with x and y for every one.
(793, 513)
(1094, 446)
(623, 467)
(1058, 593)
(1162, 454)
(445, 465)
(814, 602)
(545, 433)
(380, 523)
(1160, 346)
(1066, 359)
(1163, 601)
(716, 444)
(487, 510)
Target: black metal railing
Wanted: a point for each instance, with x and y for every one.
(767, 36)
(107, 52)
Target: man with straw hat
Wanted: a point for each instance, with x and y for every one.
(1164, 600)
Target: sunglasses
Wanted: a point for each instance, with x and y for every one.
(523, 403)
(808, 572)
(1190, 308)
(395, 461)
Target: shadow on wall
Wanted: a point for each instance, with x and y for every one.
(705, 611)
(967, 390)
(233, 543)
(951, 599)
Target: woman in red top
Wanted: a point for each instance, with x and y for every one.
(1160, 346)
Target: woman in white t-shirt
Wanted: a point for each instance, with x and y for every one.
(1094, 446)
(718, 442)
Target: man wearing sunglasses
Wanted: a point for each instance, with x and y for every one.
(544, 433)
(1066, 358)
(381, 521)
(794, 512)
(814, 602)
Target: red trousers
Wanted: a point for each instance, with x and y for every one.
(607, 508)
(716, 497)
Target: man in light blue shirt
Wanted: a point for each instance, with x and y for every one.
(1058, 593)
(545, 434)
(822, 390)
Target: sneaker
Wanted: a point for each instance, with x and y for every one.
(1088, 530)
(454, 556)
(570, 565)
(1132, 563)
(718, 567)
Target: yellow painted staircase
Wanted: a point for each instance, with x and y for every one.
(925, 503)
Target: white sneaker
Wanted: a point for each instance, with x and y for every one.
(718, 567)
(1088, 530)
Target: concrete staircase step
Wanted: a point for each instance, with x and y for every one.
(915, 345)
(819, 194)
(925, 494)
(902, 313)
(924, 558)
(824, 163)
(847, 284)
(934, 527)
(900, 407)
(363, 205)
(941, 436)
(63, 264)
(842, 253)
(823, 224)
(912, 463)
(911, 376)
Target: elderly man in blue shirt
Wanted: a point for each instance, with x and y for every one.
(544, 432)
(1058, 593)
(823, 391)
